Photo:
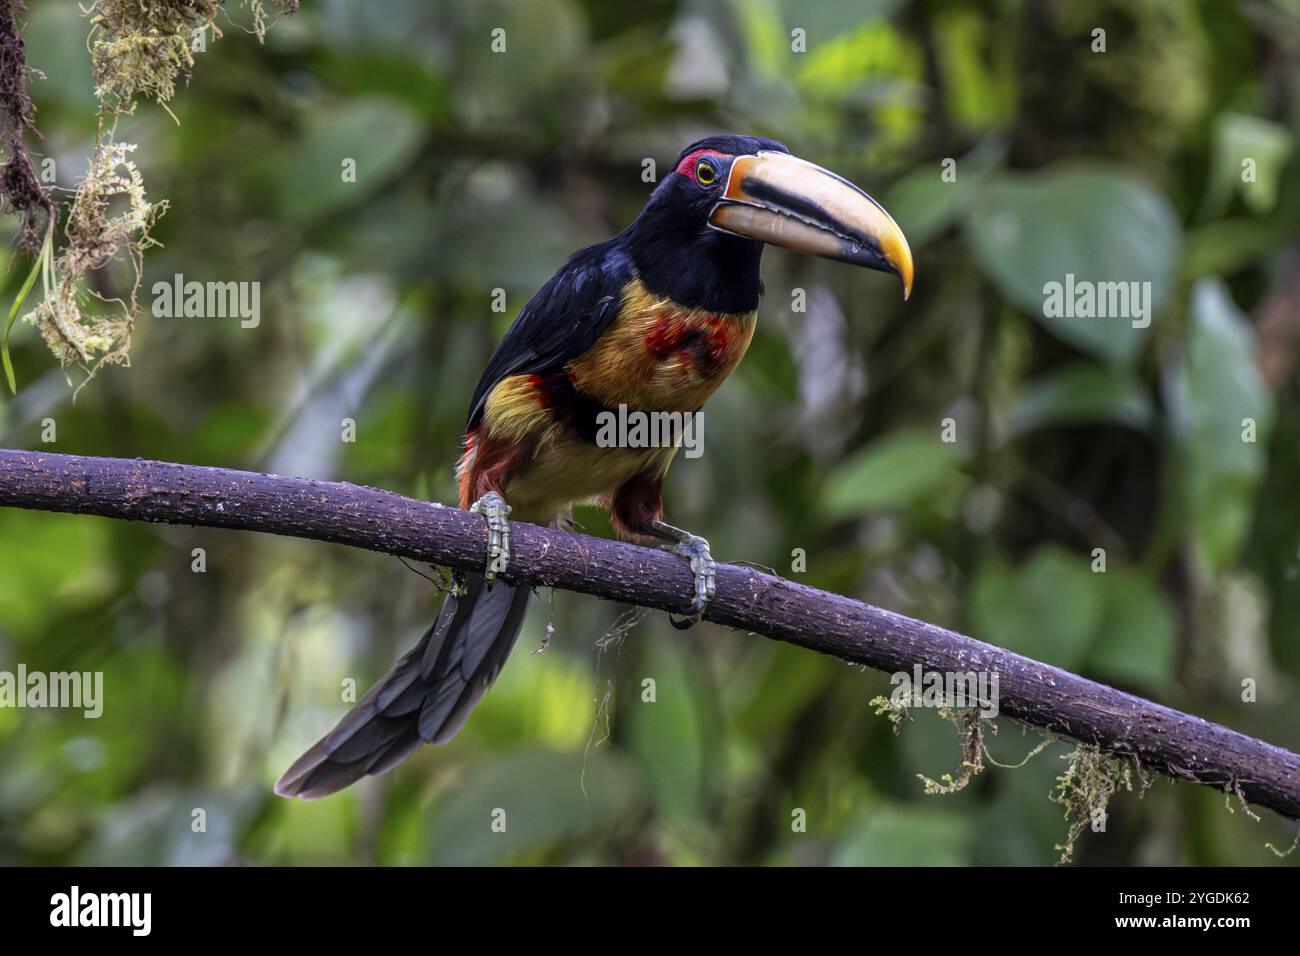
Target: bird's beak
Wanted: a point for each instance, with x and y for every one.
(778, 198)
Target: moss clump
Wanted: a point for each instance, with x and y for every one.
(895, 711)
(1085, 788)
(95, 236)
(138, 48)
(970, 725)
(142, 49)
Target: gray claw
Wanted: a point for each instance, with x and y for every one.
(696, 550)
(494, 508)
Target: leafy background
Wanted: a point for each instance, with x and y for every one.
(479, 170)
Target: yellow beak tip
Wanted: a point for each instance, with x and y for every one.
(899, 256)
(905, 273)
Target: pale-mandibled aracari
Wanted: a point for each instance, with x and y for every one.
(654, 319)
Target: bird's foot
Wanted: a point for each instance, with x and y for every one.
(696, 550)
(494, 508)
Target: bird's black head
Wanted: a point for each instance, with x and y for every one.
(700, 237)
(691, 191)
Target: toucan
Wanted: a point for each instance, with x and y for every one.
(652, 320)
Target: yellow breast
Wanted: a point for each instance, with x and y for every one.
(659, 356)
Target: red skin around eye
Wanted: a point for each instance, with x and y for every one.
(687, 166)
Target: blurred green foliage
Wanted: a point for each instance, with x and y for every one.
(479, 170)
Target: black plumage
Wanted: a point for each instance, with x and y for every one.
(424, 698)
(670, 247)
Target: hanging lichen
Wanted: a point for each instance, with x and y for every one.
(971, 727)
(138, 50)
(1091, 778)
(142, 49)
(96, 236)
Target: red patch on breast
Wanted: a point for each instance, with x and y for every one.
(704, 343)
(721, 335)
(664, 337)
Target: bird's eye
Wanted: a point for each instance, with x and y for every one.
(706, 174)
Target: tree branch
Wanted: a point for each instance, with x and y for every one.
(1174, 743)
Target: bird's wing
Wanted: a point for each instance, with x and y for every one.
(561, 321)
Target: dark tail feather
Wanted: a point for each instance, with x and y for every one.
(426, 696)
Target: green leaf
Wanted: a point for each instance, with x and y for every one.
(1116, 624)
(668, 735)
(50, 557)
(1137, 639)
(980, 83)
(1216, 395)
(891, 472)
(1228, 245)
(841, 63)
(1047, 608)
(925, 205)
(9, 324)
(1095, 223)
(1238, 138)
(900, 835)
(1081, 393)
(539, 796)
(379, 134)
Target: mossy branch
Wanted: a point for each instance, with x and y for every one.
(1122, 725)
